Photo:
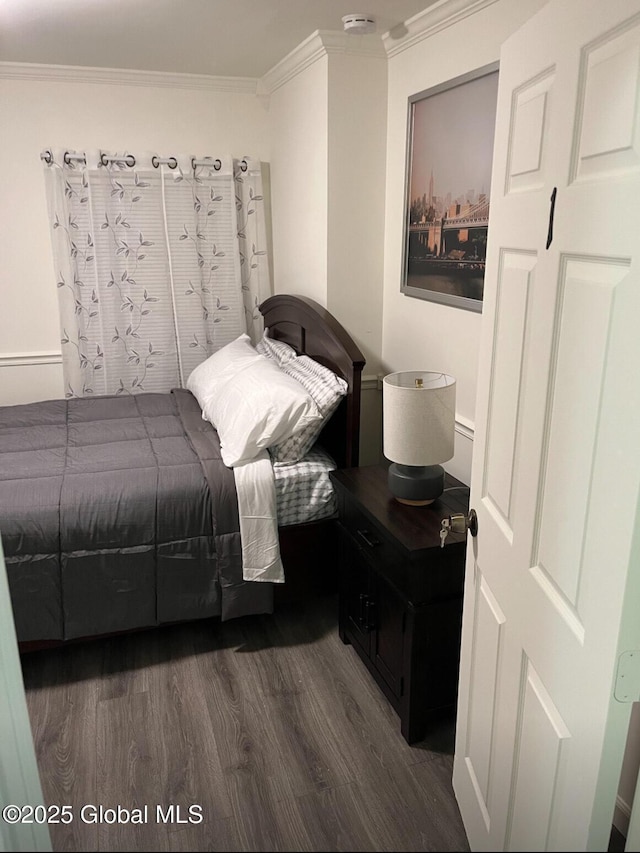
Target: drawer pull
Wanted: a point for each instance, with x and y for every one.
(361, 609)
(368, 538)
(370, 616)
(366, 613)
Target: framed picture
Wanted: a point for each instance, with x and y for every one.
(447, 189)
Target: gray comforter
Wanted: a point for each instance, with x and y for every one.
(118, 513)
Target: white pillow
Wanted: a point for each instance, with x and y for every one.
(210, 374)
(250, 402)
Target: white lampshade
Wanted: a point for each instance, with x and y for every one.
(418, 417)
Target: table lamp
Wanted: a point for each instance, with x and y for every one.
(418, 429)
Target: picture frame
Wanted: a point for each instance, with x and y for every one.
(450, 135)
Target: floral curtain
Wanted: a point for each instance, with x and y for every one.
(158, 264)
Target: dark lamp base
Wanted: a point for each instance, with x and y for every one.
(416, 485)
(414, 503)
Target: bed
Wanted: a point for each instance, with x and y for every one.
(118, 513)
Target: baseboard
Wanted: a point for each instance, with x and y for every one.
(622, 816)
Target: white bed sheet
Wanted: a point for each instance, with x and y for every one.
(258, 514)
(272, 495)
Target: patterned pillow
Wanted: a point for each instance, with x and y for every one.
(326, 389)
(280, 352)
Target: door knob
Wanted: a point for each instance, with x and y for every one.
(460, 523)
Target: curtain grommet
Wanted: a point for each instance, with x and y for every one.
(217, 164)
(172, 163)
(130, 160)
(67, 158)
(155, 162)
(47, 156)
(244, 165)
(104, 160)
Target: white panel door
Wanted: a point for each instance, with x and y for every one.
(552, 591)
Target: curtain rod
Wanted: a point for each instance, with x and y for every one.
(130, 160)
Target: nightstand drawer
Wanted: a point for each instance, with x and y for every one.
(438, 577)
(368, 537)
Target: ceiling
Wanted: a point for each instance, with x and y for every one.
(229, 38)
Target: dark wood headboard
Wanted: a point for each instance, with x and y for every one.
(311, 330)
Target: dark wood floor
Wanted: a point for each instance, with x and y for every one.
(270, 724)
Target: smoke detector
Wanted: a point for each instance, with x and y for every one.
(359, 24)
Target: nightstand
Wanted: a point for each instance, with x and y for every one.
(401, 593)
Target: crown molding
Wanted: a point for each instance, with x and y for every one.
(438, 17)
(318, 44)
(301, 57)
(126, 77)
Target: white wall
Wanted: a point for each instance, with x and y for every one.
(357, 144)
(298, 117)
(37, 114)
(327, 120)
(417, 334)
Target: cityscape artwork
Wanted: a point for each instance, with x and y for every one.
(450, 149)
